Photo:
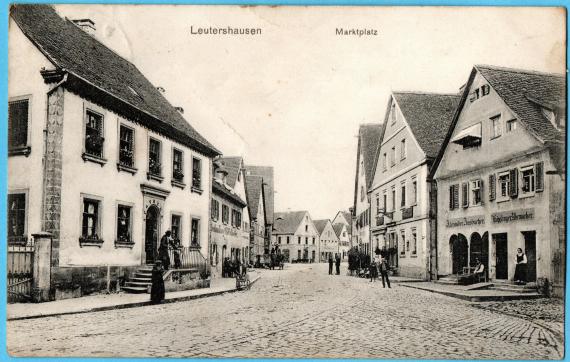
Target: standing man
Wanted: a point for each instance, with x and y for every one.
(330, 263)
(337, 264)
(384, 272)
(163, 250)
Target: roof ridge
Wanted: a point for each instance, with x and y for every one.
(519, 70)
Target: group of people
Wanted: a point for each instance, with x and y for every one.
(379, 264)
(336, 262)
(231, 268)
(168, 242)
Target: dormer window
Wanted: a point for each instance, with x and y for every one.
(469, 137)
(556, 118)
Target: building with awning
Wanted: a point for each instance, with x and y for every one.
(469, 137)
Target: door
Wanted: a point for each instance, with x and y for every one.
(459, 253)
(530, 251)
(151, 234)
(502, 258)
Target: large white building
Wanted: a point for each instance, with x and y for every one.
(97, 156)
(296, 236)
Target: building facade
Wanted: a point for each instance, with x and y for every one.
(266, 173)
(500, 176)
(415, 125)
(347, 239)
(369, 136)
(296, 236)
(258, 239)
(329, 244)
(98, 158)
(230, 223)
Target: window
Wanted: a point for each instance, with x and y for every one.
(485, 90)
(403, 149)
(403, 197)
(511, 125)
(279, 240)
(177, 165)
(476, 192)
(306, 227)
(287, 240)
(453, 197)
(403, 237)
(175, 227)
(377, 204)
(306, 240)
(90, 224)
(225, 214)
(313, 241)
(504, 185)
(196, 173)
(124, 224)
(496, 125)
(154, 166)
(393, 157)
(298, 240)
(385, 201)
(18, 120)
(414, 192)
(94, 139)
(126, 146)
(215, 210)
(195, 232)
(384, 161)
(414, 242)
(465, 194)
(238, 219)
(17, 227)
(393, 199)
(528, 180)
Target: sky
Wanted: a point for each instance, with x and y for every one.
(294, 96)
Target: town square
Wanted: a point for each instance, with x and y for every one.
(251, 182)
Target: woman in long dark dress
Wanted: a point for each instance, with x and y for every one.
(157, 288)
(163, 250)
(520, 268)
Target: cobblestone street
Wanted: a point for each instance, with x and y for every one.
(298, 312)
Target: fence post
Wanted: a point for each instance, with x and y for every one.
(41, 270)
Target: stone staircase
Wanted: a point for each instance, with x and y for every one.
(141, 280)
(451, 279)
(514, 288)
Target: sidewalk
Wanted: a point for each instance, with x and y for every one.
(472, 295)
(101, 302)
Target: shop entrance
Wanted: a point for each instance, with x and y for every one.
(459, 253)
(502, 258)
(530, 251)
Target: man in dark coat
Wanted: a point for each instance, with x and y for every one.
(337, 264)
(384, 272)
(330, 264)
(163, 250)
(157, 287)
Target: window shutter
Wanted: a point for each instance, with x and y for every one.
(492, 187)
(455, 196)
(482, 191)
(539, 170)
(451, 196)
(465, 194)
(514, 184)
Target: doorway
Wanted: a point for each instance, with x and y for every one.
(151, 234)
(530, 251)
(459, 253)
(502, 257)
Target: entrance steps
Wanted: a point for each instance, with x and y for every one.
(451, 279)
(514, 288)
(140, 282)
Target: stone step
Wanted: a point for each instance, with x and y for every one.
(137, 284)
(139, 274)
(141, 280)
(138, 290)
(514, 289)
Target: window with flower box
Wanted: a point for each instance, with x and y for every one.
(91, 221)
(126, 149)
(196, 174)
(154, 160)
(94, 141)
(177, 168)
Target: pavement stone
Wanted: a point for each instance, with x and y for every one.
(297, 312)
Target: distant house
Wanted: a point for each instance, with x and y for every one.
(229, 219)
(369, 137)
(296, 236)
(266, 173)
(258, 241)
(343, 235)
(98, 157)
(346, 239)
(328, 240)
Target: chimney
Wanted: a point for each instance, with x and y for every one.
(161, 89)
(179, 109)
(87, 25)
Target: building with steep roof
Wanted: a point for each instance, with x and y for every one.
(296, 236)
(229, 219)
(98, 157)
(501, 176)
(258, 240)
(266, 172)
(415, 124)
(328, 239)
(369, 137)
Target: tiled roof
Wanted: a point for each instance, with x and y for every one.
(232, 165)
(267, 173)
(228, 194)
(369, 141)
(429, 116)
(320, 225)
(348, 217)
(74, 51)
(253, 192)
(521, 90)
(338, 229)
(287, 222)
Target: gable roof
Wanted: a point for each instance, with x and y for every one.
(228, 194)
(522, 90)
(369, 140)
(321, 224)
(348, 217)
(287, 222)
(268, 188)
(428, 116)
(232, 165)
(101, 75)
(338, 229)
(254, 193)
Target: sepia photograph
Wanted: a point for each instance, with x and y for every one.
(235, 181)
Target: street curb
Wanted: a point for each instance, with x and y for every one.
(476, 299)
(134, 305)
